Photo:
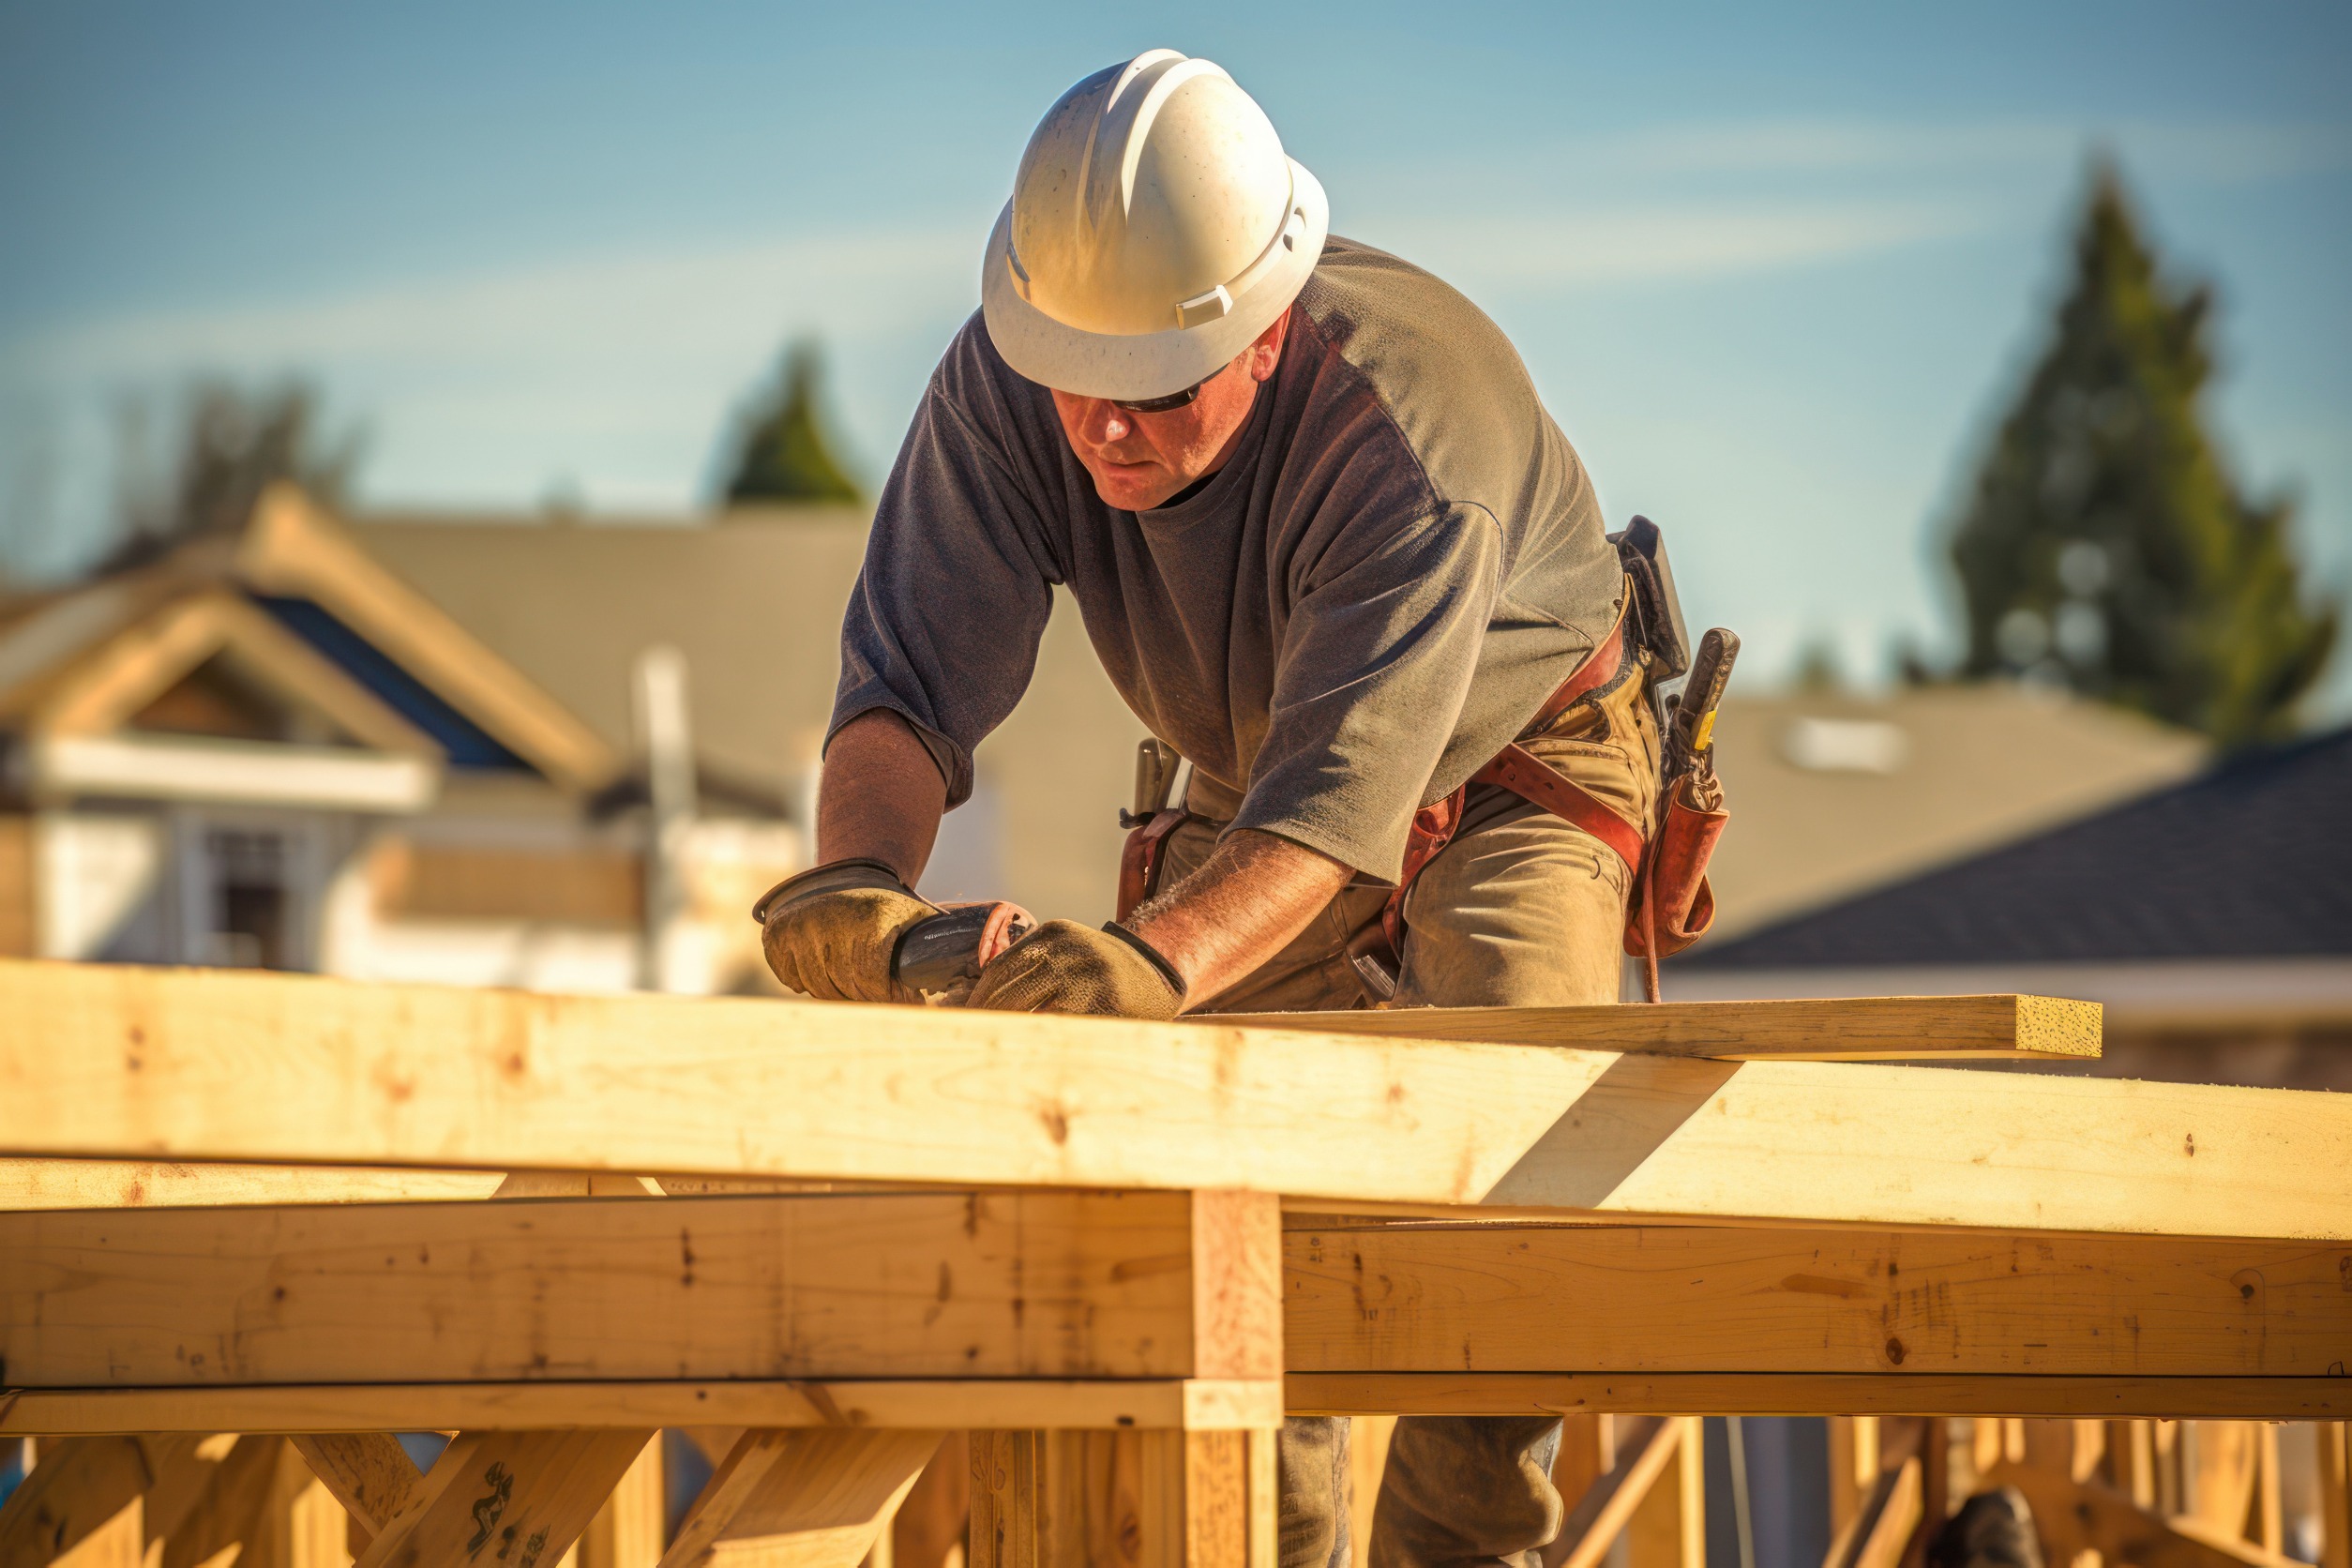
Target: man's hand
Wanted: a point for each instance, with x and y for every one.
(830, 932)
(1063, 967)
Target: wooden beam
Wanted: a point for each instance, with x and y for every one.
(631, 1528)
(2076, 1517)
(521, 1498)
(1862, 1029)
(370, 1473)
(1036, 1285)
(2335, 1493)
(1122, 1499)
(1140, 1404)
(1682, 1299)
(807, 1498)
(48, 1183)
(2327, 1398)
(1598, 1514)
(1879, 1533)
(74, 1490)
(1668, 1527)
(158, 1063)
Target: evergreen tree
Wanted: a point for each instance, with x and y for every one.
(236, 441)
(783, 453)
(2105, 546)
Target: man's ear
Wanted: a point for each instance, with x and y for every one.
(1265, 351)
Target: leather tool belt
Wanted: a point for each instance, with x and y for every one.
(1671, 905)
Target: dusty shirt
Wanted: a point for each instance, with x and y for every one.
(1400, 561)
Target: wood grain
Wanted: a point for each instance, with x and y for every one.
(122, 1062)
(1044, 1285)
(2327, 1398)
(522, 1497)
(1862, 1029)
(1141, 1404)
(791, 1498)
(1683, 1299)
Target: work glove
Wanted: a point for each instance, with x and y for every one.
(1063, 967)
(830, 932)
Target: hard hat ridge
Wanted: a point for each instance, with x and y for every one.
(1156, 226)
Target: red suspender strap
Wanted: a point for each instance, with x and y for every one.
(1521, 772)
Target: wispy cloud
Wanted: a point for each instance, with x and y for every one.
(1672, 243)
(2221, 152)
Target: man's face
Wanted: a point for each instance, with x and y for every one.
(1138, 461)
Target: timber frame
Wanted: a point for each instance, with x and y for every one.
(251, 1225)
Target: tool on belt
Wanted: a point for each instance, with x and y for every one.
(1671, 905)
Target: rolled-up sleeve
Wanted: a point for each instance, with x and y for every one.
(943, 622)
(1370, 678)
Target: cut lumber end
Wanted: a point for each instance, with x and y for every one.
(2059, 1025)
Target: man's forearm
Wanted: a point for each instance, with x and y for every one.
(881, 796)
(1250, 897)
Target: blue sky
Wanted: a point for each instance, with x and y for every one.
(1772, 271)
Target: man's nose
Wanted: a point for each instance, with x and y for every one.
(1108, 423)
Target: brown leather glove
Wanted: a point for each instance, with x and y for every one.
(1063, 967)
(830, 932)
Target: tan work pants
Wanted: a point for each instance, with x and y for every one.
(1523, 912)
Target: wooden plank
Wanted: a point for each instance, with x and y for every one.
(1815, 1393)
(370, 1473)
(936, 1514)
(630, 1529)
(1033, 1284)
(1121, 1500)
(522, 1497)
(2074, 1517)
(2335, 1493)
(238, 1514)
(72, 1493)
(1669, 1527)
(1599, 1511)
(1143, 1403)
(1863, 1028)
(791, 1498)
(389, 1074)
(1679, 1299)
(1880, 1531)
(43, 1184)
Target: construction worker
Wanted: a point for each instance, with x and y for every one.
(1329, 547)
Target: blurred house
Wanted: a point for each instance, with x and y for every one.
(2212, 918)
(1832, 794)
(754, 599)
(269, 751)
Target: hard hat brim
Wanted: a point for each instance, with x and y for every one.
(1137, 366)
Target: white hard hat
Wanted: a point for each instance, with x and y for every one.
(1156, 228)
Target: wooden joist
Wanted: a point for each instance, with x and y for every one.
(1458, 1298)
(1862, 1029)
(2235, 1398)
(812, 1498)
(1046, 1285)
(511, 1497)
(1173, 1404)
(160, 1065)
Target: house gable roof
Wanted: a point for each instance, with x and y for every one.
(2253, 859)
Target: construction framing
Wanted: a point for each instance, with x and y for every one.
(244, 1234)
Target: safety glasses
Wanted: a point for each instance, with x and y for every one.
(1161, 405)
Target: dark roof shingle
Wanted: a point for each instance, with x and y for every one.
(2253, 859)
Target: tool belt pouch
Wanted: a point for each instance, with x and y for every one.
(1671, 899)
(1140, 859)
